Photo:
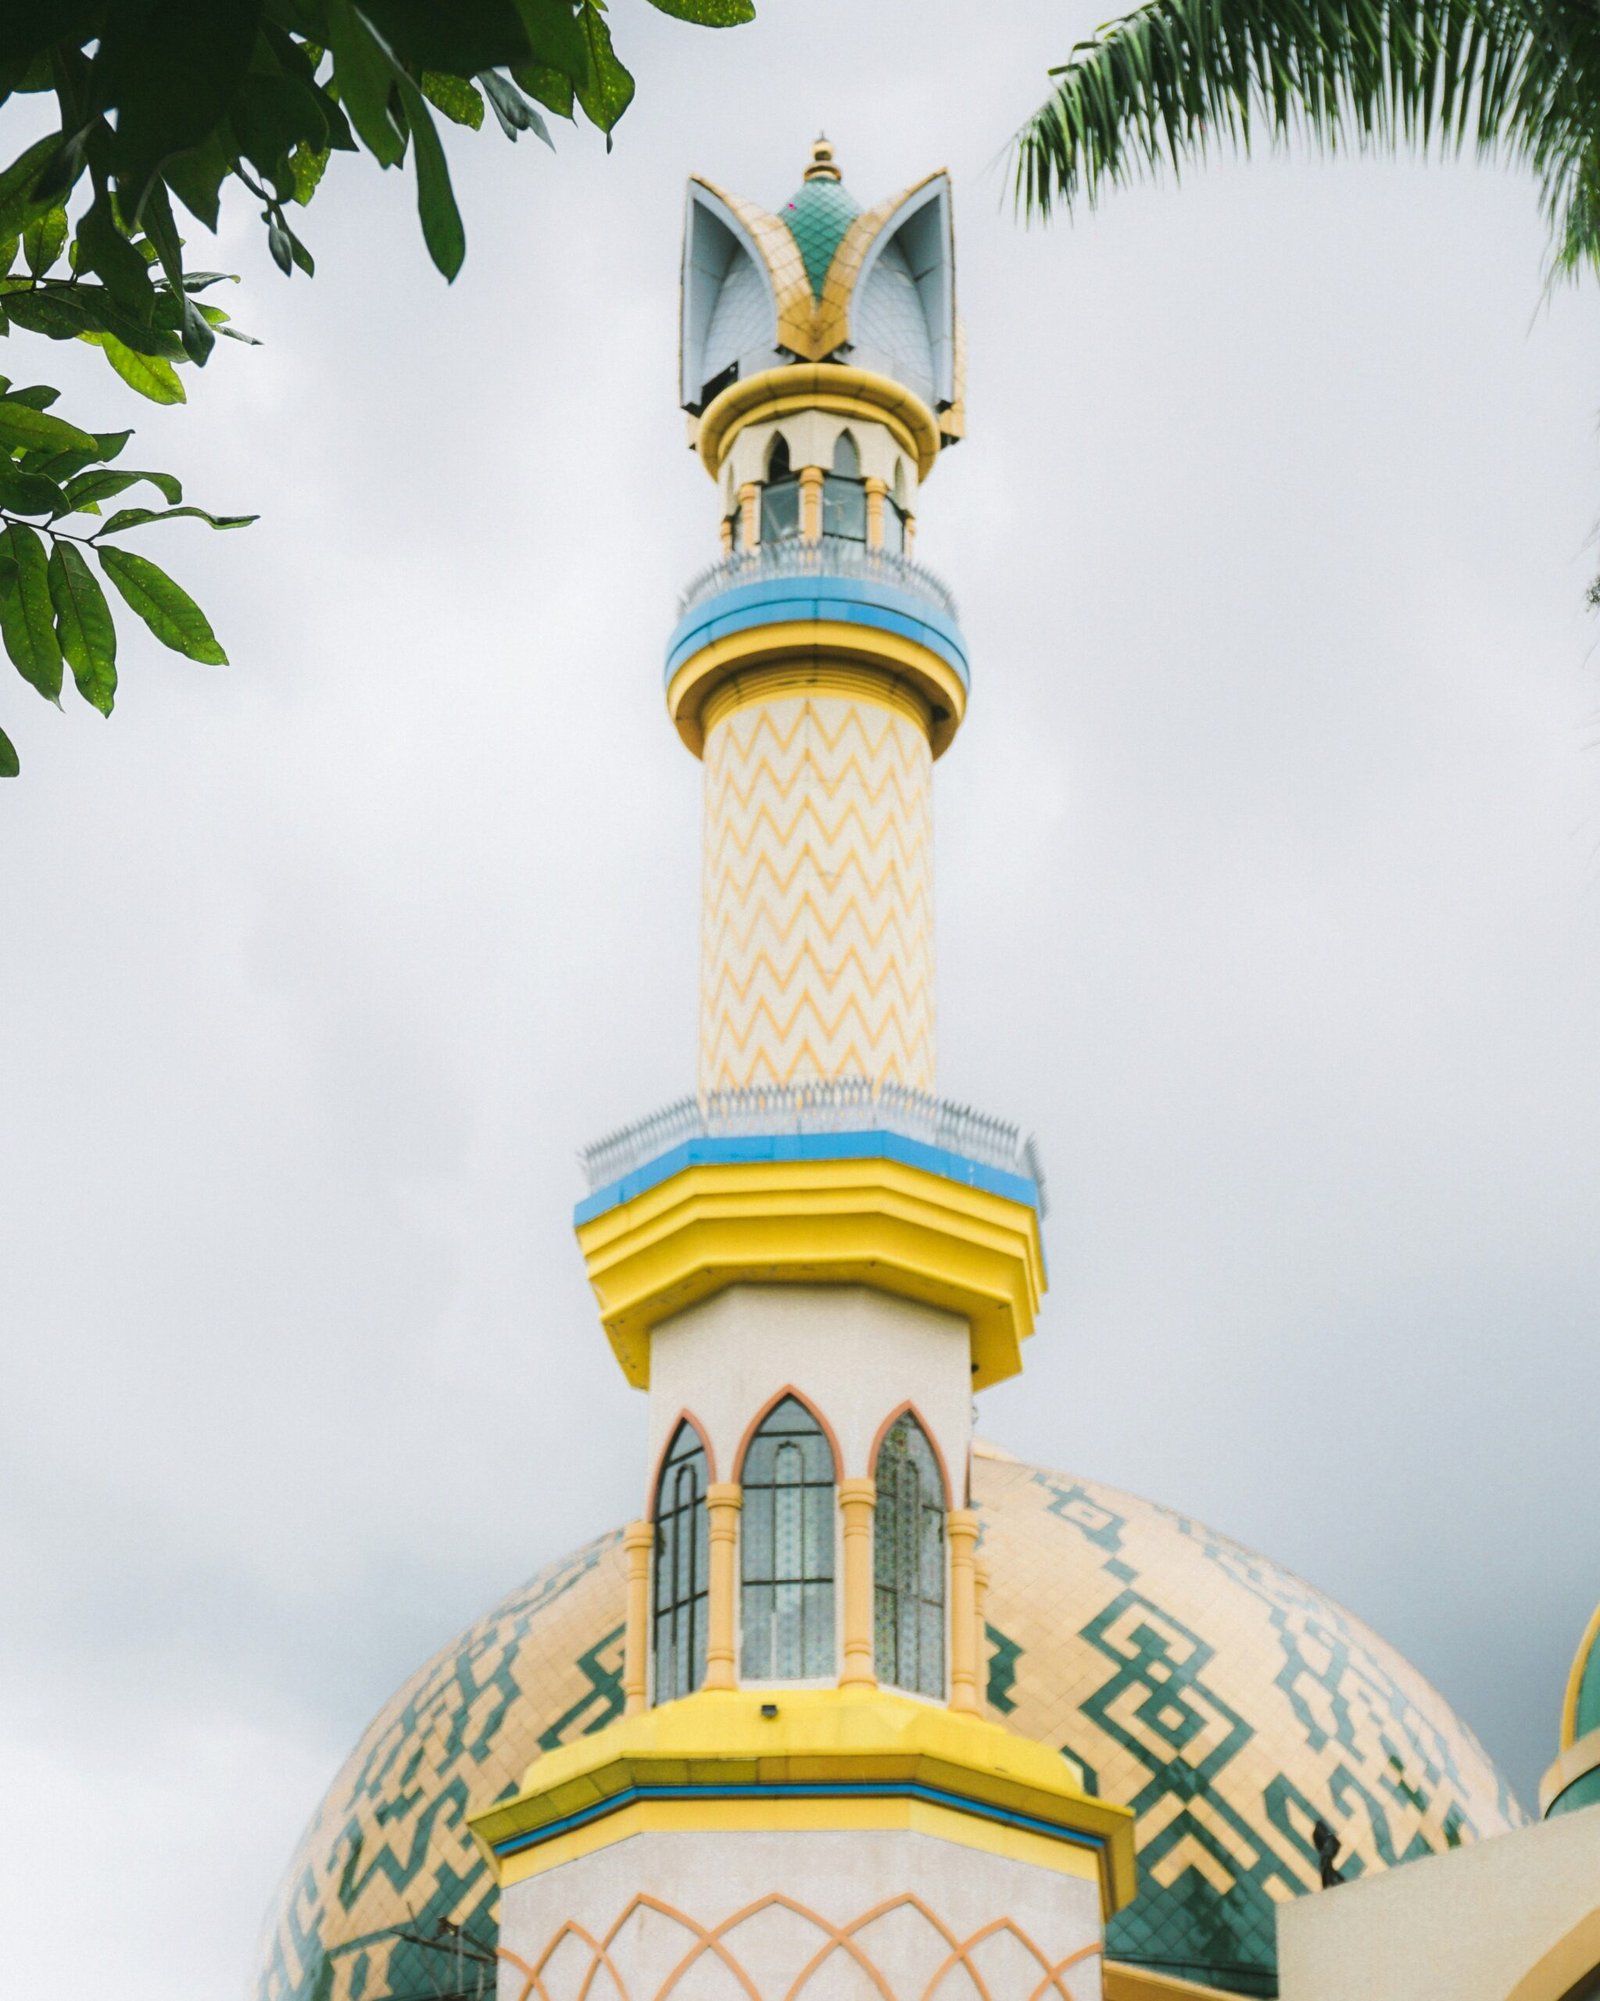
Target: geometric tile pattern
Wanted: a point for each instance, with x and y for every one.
(1219, 1696)
(797, 1954)
(817, 941)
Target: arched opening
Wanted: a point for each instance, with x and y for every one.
(786, 1537)
(844, 493)
(682, 1567)
(780, 497)
(908, 1562)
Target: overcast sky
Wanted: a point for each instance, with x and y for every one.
(1269, 897)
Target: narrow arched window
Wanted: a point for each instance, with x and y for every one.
(846, 459)
(787, 1539)
(682, 1568)
(778, 458)
(908, 1567)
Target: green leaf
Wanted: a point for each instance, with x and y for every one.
(454, 96)
(556, 38)
(364, 72)
(44, 239)
(196, 175)
(552, 87)
(38, 430)
(27, 619)
(102, 248)
(18, 202)
(708, 13)
(10, 763)
(515, 113)
(68, 312)
(171, 614)
(442, 230)
(136, 517)
(308, 164)
(150, 374)
(170, 72)
(29, 492)
(609, 90)
(55, 314)
(90, 487)
(37, 396)
(84, 626)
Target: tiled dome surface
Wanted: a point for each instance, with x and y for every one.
(817, 218)
(1218, 1695)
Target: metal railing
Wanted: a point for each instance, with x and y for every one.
(834, 1105)
(831, 556)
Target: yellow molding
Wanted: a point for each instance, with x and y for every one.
(1577, 1759)
(833, 386)
(1574, 1689)
(804, 653)
(871, 1222)
(817, 1736)
(1134, 1983)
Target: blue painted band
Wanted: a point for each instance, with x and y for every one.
(707, 1152)
(517, 1844)
(845, 600)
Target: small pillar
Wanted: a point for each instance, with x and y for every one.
(911, 532)
(961, 1527)
(980, 1572)
(638, 1542)
(877, 493)
(811, 503)
(723, 1501)
(750, 503)
(858, 1500)
(727, 535)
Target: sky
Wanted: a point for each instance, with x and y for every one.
(1268, 899)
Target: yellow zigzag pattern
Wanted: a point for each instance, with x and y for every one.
(817, 933)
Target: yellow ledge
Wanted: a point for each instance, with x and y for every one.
(818, 385)
(1133, 1983)
(826, 656)
(997, 1792)
(872, 1222)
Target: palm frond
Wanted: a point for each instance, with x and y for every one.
(1171, 82)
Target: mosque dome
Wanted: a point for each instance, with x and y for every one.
(1225, 1701)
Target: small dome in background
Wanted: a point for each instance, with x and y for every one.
(1573, 1780)
(1220, 1697)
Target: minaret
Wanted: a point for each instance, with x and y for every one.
(812, 1262)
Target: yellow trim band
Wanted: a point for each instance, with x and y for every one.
(1575, 1675)
(818, 385)
(824, 656)
(870, 1222)
(848, 1737)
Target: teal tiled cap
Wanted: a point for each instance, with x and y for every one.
(819, 213)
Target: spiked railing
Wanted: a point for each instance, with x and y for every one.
(834, 1105)
(832, 556)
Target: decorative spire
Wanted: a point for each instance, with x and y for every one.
(821, 166)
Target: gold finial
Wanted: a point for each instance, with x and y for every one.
(821, 167)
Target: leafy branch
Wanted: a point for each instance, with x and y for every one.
(161, 104)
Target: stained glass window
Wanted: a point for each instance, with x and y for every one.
(682, 1568)
(908, 1566)
(786, 1537)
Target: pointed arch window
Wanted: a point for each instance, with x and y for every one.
(787, 1549)
(908, 1566)
(846, 458)
(780, 497)
(682, 1567)
(844, 493)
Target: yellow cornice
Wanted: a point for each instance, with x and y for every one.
(874, 1222)
(1019, 1797)
(822, 656)
(818, 385)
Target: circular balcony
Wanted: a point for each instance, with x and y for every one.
(832, 598)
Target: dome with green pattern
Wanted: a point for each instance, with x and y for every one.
(1222, 1698)
(1573, 1781)
(819, 213)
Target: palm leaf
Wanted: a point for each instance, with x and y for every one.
(1175, 80)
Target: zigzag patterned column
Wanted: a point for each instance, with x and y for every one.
(817, 944)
